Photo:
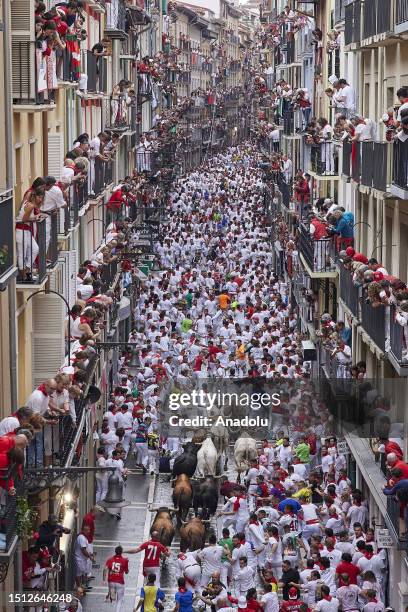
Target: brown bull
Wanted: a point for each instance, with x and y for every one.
(163, 524)
(182, 495)
(192, 534)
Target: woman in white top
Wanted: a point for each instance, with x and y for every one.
(27, 247)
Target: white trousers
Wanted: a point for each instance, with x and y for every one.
(101, 488)
(153, 456)
(27, 249)
(141, 454)
(117, 592)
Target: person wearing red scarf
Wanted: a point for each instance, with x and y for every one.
(327, 603)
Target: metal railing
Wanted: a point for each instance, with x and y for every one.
(374, 164)
(146, 161)
(356, 161)
(65, 67)
(318, 254)
(373, 321)
(349, 293)
(10, 479)
(92, 71)
(52, 240)
(6, 231)
(346, 170)
(32, 252)
(79, 198)
(339, 11)
(102, 175)
(401, 14)
(322, 158)
(376, 17)
(397, 339)
(290, 51)
(118, 112)
(144, 84)
(54, 443)
(352, 26)
(115, 16)
(400, 164)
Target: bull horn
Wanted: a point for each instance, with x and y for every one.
(205, 520)
(184, 522)
(195, 479)
(220, 476)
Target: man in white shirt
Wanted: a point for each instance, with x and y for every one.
(327, 603)
(52, 203)
(210, 557)
(269, 599)
(346, 97)
(243, 578)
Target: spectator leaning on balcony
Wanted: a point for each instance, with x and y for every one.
(326, 136)
(342, 228)
(346, 97)
(394, 463)
(402, 95)
(27, 247)
(52, 203)
(39, 403)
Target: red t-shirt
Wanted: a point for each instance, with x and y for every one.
(89, 520)
(348, 568)
(153, 551)
(27, 567)
(117, 567)
(116, 200)
(291, 605)
(252, 604)
(7, 442)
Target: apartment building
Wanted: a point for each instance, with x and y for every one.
(310, 47)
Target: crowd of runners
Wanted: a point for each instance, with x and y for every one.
(296, 535)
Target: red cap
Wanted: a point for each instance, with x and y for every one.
(361, 258)
(293, 593)
(350, 251)
(378, 276)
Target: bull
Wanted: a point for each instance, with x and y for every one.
(245, 450)
(192, 534)
(186, 463)
(207, 459)
(163, 524)
(206, 497)
(220, 437)
(182, 495)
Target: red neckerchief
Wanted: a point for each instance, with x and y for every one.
(357, 503)
(341, 478)
(43, 389)
(253, 522)
(237, 502)
(368, 555)
(335, 516)
(85, 319)
(182, 590)
(327, 597)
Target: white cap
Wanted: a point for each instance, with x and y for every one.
(385, 117)
(333, 79)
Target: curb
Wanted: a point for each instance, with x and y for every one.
(146, 533)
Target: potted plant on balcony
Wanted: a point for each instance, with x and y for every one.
(25, 516)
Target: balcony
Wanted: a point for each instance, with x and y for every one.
(339, 11)
(96, 70)
(293, 121)
(373, 322)
(8, 523)
(58, 443)
(318, 255)
(352, 26)
(323, 162)
(144, 85)
(6, 234)
(375, 167)
(349, 293)
(115, 25)
(376, 17)
(32, 252)
(100, 176)
(399, 186)
(401, 16)
(147, 161)
(118, 112)
(65, 68)
(398, 344)
(346, 157)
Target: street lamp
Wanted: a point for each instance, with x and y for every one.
(46, 291)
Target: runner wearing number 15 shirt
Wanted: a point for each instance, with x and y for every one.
(153, 549)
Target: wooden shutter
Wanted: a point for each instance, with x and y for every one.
(23, 49)
(55, 155)
(48, 346)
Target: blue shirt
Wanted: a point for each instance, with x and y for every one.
(185, 601)
(344, 228)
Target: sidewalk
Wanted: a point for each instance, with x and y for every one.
(129, 533)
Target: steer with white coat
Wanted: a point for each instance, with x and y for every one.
(207, 458)
(245, 450)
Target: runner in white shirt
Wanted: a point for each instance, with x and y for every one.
(210, 558)
(243, 578)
